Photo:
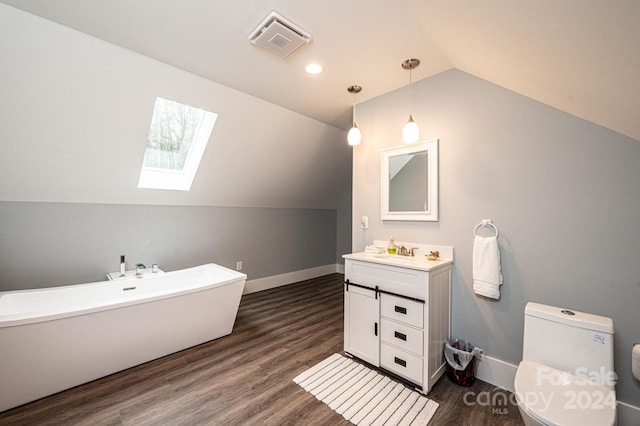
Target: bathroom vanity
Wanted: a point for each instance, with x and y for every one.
(397, 311)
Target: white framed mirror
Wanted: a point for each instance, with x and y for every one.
(409, 182)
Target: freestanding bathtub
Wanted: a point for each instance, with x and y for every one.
(56, 338)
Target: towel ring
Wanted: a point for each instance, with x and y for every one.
(485, 222)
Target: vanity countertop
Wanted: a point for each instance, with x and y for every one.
(419, 262)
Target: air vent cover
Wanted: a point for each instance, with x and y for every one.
(279, 35)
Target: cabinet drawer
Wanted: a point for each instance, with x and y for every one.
(402, 363)
(403, 336)
(405, 281)
(403, 310)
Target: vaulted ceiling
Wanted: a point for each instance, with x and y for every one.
(580, 57)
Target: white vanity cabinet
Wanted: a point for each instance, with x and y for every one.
(397, 314)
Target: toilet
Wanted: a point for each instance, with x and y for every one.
(566, 375)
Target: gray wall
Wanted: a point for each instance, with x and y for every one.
(343, 231)
(564, 193)
(49, 244)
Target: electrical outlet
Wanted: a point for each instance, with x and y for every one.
(239, 266)
(364, 222)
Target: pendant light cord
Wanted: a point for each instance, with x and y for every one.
(354, 109)
(411, 92)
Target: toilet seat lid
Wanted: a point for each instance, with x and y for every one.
(556, 397)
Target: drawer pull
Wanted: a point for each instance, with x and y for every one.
(399, 361)
(401, 310)
(400, 336)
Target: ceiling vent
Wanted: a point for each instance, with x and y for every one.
(279, 36)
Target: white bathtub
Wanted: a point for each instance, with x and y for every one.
(56, 338)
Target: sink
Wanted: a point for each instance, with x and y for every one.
(393, 256)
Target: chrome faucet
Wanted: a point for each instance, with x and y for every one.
(140, 268)
(403, 251)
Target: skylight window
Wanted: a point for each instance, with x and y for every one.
(177, 139)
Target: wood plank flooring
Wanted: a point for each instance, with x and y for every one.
(246, 378)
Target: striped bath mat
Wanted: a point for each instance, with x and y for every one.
(363, 396)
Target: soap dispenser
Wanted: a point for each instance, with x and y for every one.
(123, 272)
(391, 247)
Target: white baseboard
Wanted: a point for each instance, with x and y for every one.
(627, 414)
(502, 374)
(496, 372)
(252, 286)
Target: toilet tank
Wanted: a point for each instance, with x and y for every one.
(570, 341)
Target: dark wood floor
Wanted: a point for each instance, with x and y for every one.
(246, 377)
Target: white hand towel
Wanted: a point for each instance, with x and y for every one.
(487, 275)
(635, 361)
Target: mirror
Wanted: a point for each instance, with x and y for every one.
(409, 182)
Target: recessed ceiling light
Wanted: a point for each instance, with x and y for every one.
(313, 69)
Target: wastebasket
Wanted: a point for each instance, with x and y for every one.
(461, 356)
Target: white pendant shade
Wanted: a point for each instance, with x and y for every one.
(410, 132)
(354, 136)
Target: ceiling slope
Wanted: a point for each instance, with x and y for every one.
(75, 114)
(576, 56)
(579, 57)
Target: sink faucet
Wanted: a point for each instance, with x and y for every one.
(140, 268)
(403, 251)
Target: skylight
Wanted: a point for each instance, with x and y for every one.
(177, 139)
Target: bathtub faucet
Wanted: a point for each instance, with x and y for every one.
(140, 268)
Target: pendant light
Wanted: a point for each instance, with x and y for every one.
(410, 131)
(354, 136)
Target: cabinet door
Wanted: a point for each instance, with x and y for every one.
(361, 324)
